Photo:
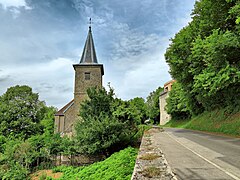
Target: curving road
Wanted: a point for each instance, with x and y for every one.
(196, 155)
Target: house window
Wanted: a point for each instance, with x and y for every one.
(87, 75)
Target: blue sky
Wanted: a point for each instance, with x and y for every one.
(41, 39)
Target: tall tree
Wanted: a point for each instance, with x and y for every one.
(106, 123)
(140, 107)
(21, 112)
(204, 56)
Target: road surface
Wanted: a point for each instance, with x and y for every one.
(196, 155)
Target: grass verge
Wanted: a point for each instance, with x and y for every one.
(218, 121)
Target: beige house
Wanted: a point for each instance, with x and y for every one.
(88, 73)
(164, 116)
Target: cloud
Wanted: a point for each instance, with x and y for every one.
(52, 80)
(139, 74)
(39, 45)
(13, 3)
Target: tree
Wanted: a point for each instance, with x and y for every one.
(106, 123)
(204, 56)
(177, 103)
(217, 82)
(140, 107)
(47, 122)
(153, 110)
(20, 112)
(27, 140)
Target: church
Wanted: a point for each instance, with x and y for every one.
(88, 73)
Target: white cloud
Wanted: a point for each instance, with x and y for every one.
(139, 75)
(53, 80)
(130, 38)
(13, 3)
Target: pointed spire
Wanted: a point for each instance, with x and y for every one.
(89, 53)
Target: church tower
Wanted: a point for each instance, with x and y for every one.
(88, 73)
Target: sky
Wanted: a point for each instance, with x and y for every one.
(41, 39)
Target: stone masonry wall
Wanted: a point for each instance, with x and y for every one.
(151, 162)
(164, 116)
(81, 84)
(69, 119)
(59, 124)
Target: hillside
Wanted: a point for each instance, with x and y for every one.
(215, 121)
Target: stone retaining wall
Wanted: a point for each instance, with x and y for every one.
(150, 162)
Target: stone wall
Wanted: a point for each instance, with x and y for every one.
(70, 116)
(151, 162)
(59, 124)
(164, 116)
(81, 84)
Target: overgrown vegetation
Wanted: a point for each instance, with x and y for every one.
(26, 139)
(204, 58)
(118, 166)
(218, 121)
(28, 143)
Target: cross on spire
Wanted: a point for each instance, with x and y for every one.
(89, 54)
(90, 23)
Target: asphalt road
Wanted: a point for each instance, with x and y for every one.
(195, 155)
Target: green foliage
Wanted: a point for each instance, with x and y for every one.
(26, 140)
(22, 156)
(219, 121)
(235, 12)
(204, 57)
(47, 122)
(100, 101)
(118, 166)
(140, 108)
(177, 103)
(107, 124)
(43, 176)
(220, 54)
(21, 112)
(153, 105)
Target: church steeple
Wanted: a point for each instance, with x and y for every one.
(89, 53)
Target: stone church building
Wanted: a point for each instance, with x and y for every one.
(88, 73)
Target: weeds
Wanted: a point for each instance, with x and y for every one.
(149, 156)
(152, 172)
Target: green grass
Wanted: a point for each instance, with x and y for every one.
(118, 166)
(218, 121)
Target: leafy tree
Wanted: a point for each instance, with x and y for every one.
(14, 160)
(100, 101)
(153, 105)
(177, 103)
(220, 73)
(235, 12)
(47, 122)
(204, 57)
(27, 141)
(106, 123)
(140, 107)
(20, 112)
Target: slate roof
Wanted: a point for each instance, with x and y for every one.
(65, 108)
(89, 53)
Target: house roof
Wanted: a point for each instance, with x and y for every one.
(89, 54)
(65, 108)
